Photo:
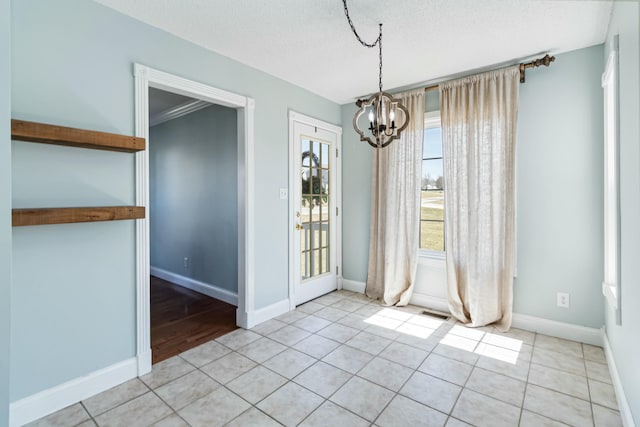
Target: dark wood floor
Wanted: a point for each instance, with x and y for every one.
(182, 319)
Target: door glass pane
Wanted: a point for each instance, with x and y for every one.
(315, 207)
(326, 259)
(304, 264)
(324, 156)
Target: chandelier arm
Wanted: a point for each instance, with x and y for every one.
(353, 28)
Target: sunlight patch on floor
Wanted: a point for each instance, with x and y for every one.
(415, 330)
(503, 341)
(495, 346)
(473, 340)
(498, 353)
(383, 321)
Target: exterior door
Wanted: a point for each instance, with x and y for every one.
(314, 211)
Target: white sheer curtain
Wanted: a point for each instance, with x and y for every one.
(395, 210)
(479, 115)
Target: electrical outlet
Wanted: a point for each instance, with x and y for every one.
(186, 262)
(563, 299)
(284, 193)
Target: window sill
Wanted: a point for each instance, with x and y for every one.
(427, 255)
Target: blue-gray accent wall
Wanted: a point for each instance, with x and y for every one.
(623, 338)
(193, 196)
(73, 288)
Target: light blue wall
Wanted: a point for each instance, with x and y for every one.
(357, 158)
(74, 288)
(5, 206)
(624, 338)
(560, 191)
(73, 302)
(559, 173)
(193, 192)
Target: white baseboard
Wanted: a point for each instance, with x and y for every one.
(529, 323)
(144, 363)
(38, 405)
(353, 286)
(269, 312)
(557, 329)
(196, 285)
(623, 403)
(428, 301)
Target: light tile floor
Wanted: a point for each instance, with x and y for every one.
(343, 360)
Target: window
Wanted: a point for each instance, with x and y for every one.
(432, 186)
(611, 184)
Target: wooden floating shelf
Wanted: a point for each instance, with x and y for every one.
(59, 135)
(43, 216)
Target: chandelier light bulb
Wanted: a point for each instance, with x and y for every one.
(392, 115)
(371, 116)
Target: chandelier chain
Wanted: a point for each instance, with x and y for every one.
(353, 28)
(380, 55)
(363, 43)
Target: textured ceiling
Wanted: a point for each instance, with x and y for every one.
(309, 43)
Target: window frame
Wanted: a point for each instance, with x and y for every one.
(611, 279)
(431, 120)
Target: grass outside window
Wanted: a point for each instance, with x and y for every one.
(432, 220)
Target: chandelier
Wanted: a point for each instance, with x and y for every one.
(387, 116)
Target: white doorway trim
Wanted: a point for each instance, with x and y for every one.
(146, 77)
(311, 121)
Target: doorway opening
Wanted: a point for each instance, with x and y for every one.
(193, 222)
(241, 295)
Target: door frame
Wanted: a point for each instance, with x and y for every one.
(311, 121)
(146, 77)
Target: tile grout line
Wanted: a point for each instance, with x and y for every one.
(526, 381)
(396, 393)
(118, 405)
(287, 347)
(88, 413)
(586, 371)
(463, 387)
(173, 411)
(352, 375)
(558, 391)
